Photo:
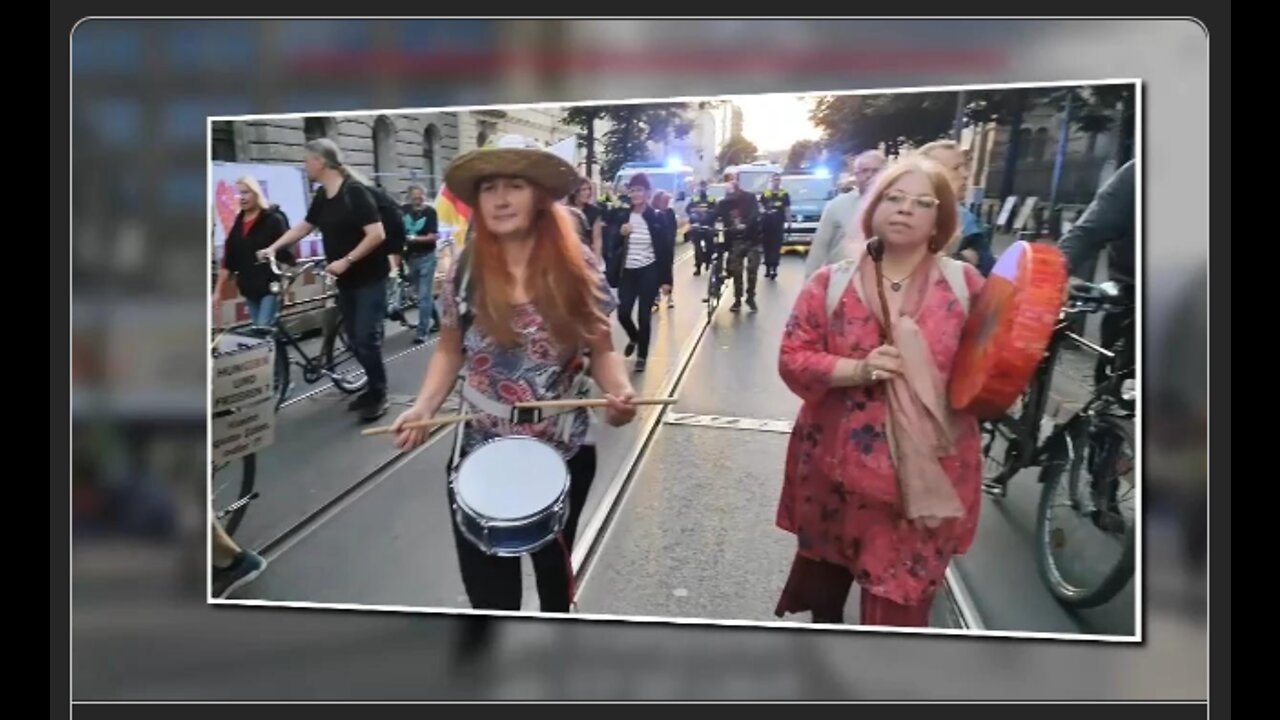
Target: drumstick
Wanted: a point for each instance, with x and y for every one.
(593, 402)
(875, 246)
(433, 422)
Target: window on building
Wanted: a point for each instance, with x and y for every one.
(1024, 145)
(1040, 145)
(430, 146)
(319, 127)
(384, 150)
(223, 142)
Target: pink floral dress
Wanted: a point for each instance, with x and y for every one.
(840, 496)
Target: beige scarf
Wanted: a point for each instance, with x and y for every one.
(919, 422)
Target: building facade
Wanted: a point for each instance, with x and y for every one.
(1089, 158)
(394, 150)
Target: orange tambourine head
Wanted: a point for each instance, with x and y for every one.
(1009, 328)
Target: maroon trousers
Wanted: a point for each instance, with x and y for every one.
(823, 589)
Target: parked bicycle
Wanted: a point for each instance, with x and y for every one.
(1086, 517)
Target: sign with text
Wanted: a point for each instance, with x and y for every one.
(249, 429)
(243, 372)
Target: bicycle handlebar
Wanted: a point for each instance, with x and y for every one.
(295, 270)
(1087, 297)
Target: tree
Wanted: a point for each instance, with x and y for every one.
(1094, 111)
(853, 123)
(803, 153)
(584, 119)
(1103, 107)
(737, 150)
(633, 127)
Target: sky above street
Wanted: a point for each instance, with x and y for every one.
(774, 122)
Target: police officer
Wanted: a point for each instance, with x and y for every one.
(777, 205)
(740, 213)
(701, 210)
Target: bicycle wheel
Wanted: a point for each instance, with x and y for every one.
(282, 380)
(232, 515)
(1001, 446)
(1086, 518)
(339, 364)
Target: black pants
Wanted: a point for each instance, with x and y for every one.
(772, 244)
(363, 311)
(494, 583)
(701, 248)
(640, 285)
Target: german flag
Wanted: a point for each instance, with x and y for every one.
(453, 212)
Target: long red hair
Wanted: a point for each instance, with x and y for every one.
(563, 287)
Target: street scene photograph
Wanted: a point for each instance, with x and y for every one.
(848, 360)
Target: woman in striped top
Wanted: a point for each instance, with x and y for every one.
(647, 250)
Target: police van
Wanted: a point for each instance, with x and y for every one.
(810, 194)
(754, 177)
(675, 178)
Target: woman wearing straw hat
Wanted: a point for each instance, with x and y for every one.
(518, 311)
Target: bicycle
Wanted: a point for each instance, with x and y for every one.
(335, 348)
(715, 266)
(1096, 439)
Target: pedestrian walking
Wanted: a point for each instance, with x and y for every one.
(882, 480)
(662, 203)
(345, 212)
(520, 308)
(422, 231)
(740, 213)
(257, 226)
(641, 262)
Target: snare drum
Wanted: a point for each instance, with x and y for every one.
(511, 496)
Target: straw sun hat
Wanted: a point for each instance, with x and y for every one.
(510, 156)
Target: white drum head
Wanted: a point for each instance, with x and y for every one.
(511, 478)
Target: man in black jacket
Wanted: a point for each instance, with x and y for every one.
(1107, 223)
(641, 261)
(740, 213)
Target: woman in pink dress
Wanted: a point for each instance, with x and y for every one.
(882, 483)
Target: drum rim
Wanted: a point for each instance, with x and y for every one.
(558, 505)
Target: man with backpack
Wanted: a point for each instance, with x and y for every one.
(354, 236)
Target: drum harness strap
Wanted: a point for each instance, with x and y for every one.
(579, 366)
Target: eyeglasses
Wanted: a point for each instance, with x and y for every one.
(921, 202)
